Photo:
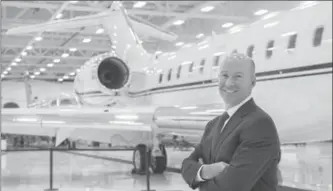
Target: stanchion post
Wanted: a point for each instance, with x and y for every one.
(51, 173)
(147, 170)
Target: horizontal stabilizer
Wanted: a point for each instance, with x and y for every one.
(91, 20)
(61, 24)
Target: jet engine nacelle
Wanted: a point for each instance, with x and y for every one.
(101, 79)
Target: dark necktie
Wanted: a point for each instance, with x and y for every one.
(223, 119)
(225, 116)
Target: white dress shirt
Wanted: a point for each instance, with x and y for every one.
(231, 111)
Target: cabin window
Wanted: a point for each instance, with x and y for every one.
(66, 102)
(202, 65)
(161, 78)
(169, 74)
(250, 51)
(292, 41)
(190, 69)
(179, 71)
(216, 60)
(53, 103)
(269, 50)
(318, 36)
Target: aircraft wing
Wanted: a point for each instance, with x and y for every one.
(90, 124)
(131, 124)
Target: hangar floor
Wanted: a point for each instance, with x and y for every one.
(92, 171)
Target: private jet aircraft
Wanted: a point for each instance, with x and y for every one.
(176, 93)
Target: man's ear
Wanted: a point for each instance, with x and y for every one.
(254, 81)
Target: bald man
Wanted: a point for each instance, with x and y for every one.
(240, 149)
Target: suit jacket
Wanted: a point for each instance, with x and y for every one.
(249, 143)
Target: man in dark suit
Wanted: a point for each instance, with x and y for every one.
(240, 149)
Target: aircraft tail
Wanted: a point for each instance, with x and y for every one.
(115, 20)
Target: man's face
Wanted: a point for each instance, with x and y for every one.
(236, 80)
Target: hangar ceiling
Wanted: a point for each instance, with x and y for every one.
(56, 56)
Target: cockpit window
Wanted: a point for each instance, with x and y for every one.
(67, 102)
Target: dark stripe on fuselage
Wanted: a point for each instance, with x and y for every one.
(270, 75)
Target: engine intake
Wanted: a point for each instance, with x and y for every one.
(113, 73)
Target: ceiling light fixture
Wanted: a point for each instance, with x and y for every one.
(86, 40)
(260, 12)
(99, 31)
(179, 22)
(50, 65)
(200, 35)
(139, 4)
(179, 43)
(59, 16)
(227, 25)
(73, 49)
(64, 55)
(270, 15)
(39, 38)
(207, 9)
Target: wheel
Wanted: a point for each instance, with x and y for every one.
(139, 162)
(158, 164)
(71, 144)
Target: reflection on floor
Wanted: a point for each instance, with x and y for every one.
(25, 171)
(30, 171)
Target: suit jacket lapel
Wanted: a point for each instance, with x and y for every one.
(231, 125)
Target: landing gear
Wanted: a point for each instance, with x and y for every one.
(157, 161)
(71, 144)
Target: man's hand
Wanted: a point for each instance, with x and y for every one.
(211, 170)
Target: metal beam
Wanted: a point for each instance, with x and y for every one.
(191, 14)
(194, 11)
(83, 58)
(48, 77)
(188, 15)
(12, 23)
(60, 34)
(27, 4)
(90, 48)
(56, 66)
(59, 10)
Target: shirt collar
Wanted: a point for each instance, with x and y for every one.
(233, 109)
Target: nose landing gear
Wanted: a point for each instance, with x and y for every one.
(157, 159)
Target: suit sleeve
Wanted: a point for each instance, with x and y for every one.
(259, 148)
(191, 165)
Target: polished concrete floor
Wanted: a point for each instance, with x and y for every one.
(105, 170)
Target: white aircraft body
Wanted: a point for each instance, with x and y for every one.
(176, 94)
